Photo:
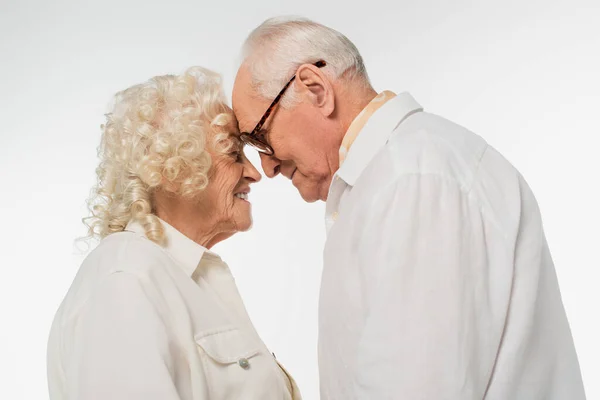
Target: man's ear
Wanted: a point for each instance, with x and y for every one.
(314, 84)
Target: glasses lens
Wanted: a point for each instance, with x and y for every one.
(257, 144)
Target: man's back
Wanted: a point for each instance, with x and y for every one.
(438, 282)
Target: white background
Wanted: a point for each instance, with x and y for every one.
(522, 74)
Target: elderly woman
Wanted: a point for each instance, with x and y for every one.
(152, 312)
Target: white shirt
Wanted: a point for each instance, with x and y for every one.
(151, 323)
(437, 281)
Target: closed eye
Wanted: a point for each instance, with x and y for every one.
(263, 134)
(236, 149)
(237, 155)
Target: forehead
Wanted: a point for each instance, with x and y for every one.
(247, 105)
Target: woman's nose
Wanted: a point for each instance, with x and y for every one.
(251, 173)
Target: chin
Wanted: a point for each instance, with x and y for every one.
(244, 224)
(309, 199)
(245, 227)
(310, 195)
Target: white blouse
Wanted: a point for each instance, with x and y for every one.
(145, 322)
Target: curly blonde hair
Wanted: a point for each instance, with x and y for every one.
(156, 137)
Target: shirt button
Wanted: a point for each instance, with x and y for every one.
(243, 362)
(335, 215)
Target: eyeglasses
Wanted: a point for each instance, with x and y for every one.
(256, 139)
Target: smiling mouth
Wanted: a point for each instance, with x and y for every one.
(243, 196)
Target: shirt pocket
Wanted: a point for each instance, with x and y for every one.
(237, 367)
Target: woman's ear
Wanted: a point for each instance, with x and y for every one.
(315, 85)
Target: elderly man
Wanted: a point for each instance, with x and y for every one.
(437, 282)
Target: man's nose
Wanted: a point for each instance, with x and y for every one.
(270, 164)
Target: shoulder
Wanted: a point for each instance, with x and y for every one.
(434, 151)
(122, 262)
(125, 252)
(426, 144)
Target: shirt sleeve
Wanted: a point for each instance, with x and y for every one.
(121, 347)
(430, 330)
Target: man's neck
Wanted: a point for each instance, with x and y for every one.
(356, 102)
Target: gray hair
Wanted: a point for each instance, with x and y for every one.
(275, 49)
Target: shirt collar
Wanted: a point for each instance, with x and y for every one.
(375, 132)
(182, 249)
(361, 119)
